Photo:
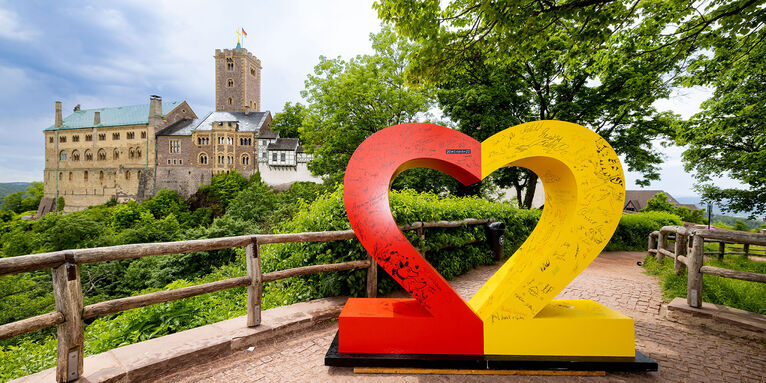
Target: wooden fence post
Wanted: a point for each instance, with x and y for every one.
(372, 278)
(67, 292)
(652, 243)
(680, 249)
(661, 244)
(255, 288)
(721, 250)
(694, 285)
(746, 249)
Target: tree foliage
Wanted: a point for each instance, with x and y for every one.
(728, 136)
(660, 202)
(288, 122)
(27, 200)
(600, 64)
(348, 100)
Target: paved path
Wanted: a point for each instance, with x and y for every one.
(685, 354)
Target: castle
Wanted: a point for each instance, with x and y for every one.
(131, 152)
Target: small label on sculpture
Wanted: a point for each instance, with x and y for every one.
(458, 151)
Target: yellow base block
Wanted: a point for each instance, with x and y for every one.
(565, 327)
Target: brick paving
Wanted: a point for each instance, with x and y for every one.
(684, 353)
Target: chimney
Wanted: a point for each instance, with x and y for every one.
(97, 118)
(155, 110)
(59, 120)
(77, 108)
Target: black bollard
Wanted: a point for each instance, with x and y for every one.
(496, 238)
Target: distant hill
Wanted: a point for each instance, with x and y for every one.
(716, 210)
(12, 187)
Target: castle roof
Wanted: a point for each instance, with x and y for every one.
(250, 122)
(116, 116)
(284, 144)
(268, 133)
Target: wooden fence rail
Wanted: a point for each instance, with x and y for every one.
(689, 251)
(67, 289)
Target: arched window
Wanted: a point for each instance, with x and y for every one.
(85, 175)
(101, 175)
(62, 155)
(203, 159)
(88, 155)
(61, 176)
(229, 64)
(102, 155)
(127, 174)
(139, 174)
(70, 176)
(132, 153)
(229, 83)
(245, 159)
(116, 154)
(138, 152)
(75, 155)
(230, 100)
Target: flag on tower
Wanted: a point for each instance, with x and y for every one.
(243, 32)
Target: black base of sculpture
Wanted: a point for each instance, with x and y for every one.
(640, 363)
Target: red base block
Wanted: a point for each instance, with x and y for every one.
(402, 326)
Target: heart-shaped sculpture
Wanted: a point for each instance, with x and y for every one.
(584, 189)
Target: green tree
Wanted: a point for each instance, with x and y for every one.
(27, 200)
(289, 120)
(659, 202)
(600, 64)
(350, 100)
(728, 136)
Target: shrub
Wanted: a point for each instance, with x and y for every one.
(633, 230)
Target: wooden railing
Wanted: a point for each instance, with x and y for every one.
(689, 250)
(67, 290)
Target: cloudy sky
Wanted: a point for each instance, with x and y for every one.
(101, 54)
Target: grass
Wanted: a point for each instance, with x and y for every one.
(750, 296)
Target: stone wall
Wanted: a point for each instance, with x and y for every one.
(282, 175)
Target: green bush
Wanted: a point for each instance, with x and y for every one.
(633, 230)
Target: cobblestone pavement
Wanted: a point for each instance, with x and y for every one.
(685, 354)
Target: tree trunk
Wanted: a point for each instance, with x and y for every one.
(531, 185)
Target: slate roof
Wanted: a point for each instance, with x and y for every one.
(116, 116)
(284, 144)
(268, 133)
(181, 127)
(251, 122)
(638, 198)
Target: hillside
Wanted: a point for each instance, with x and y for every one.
(12, 187)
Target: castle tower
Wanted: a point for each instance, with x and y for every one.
(237, 81)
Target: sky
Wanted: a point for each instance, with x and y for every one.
(102, 54)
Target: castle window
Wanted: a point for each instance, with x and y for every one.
(138, 152)
(203, 159)
(131, 153)
(143, 134)
(174, 162)
(102, 137)
(229, 83)
(181, 162)
(175, 146)
(101, 175)
(127, 174)
(89, 137)
(220, 140)
(229, 160)
(245, 160)
(230, 141)
(61, 176)
(131, 135)
(50, 139)
(70, 176)
(62, 155)
(274, 157)
(139, 174)
(282, 157)
(115, 136)
(252, 71)
(116, 154)
(220, 159)
(168, 164)
(230, 101)
(85, 175)
(63, 138)
(229, 64)
(88, 155)
(76, 138)
(264, 155)
(102, 155)
(75, 155)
